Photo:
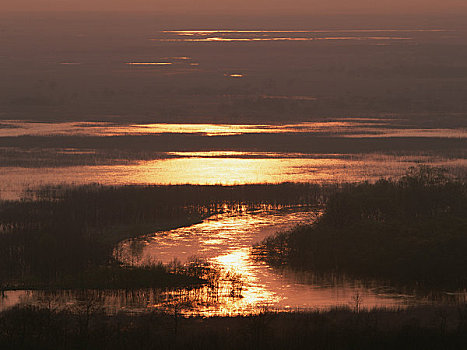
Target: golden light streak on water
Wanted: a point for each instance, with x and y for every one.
(224, 39)
(225, 171)
(149, 63)
(206, 168)
(183, 58)
(229, 35)
(225, 242)
(208, 32)
(369, 127)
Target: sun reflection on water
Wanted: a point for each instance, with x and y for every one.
(238, 36)
(223, 39)
(227, 168)
(363, 127)
(225, 241)
(246, 285)
(149, 63)
(219, 31)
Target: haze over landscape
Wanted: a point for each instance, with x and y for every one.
(233, 174)
(255, 7)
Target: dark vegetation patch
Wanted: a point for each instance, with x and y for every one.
(286, 142)
(86, 327)
(60, 236)
(411, 231)
(66, 157)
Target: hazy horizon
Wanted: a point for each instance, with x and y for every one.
(254, 7)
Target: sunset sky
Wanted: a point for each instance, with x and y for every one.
(242, 6)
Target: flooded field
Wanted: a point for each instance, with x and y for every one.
(342, 150)
(344, 127)
(226, 169)
(166, 101)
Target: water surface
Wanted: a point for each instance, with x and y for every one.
(226, 168)
(246, 285)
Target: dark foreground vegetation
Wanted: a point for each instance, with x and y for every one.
(88, 328)
(63, 237)
(411, 231)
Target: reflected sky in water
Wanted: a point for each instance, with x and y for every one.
(226, 36)
(246, 285)
(221, 31)
(361, 127)
(224, 39)
(226, 240)
(228, 168)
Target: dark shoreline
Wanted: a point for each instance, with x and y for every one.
(89, 328)
(410, 232)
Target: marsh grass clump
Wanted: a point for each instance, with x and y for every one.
(411, 231)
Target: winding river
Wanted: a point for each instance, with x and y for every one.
(225, 241)
(245, 284)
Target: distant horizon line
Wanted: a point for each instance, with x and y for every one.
(244, 13)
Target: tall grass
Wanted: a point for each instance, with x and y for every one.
(87, 327)
(409, 231)
(55, 232)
